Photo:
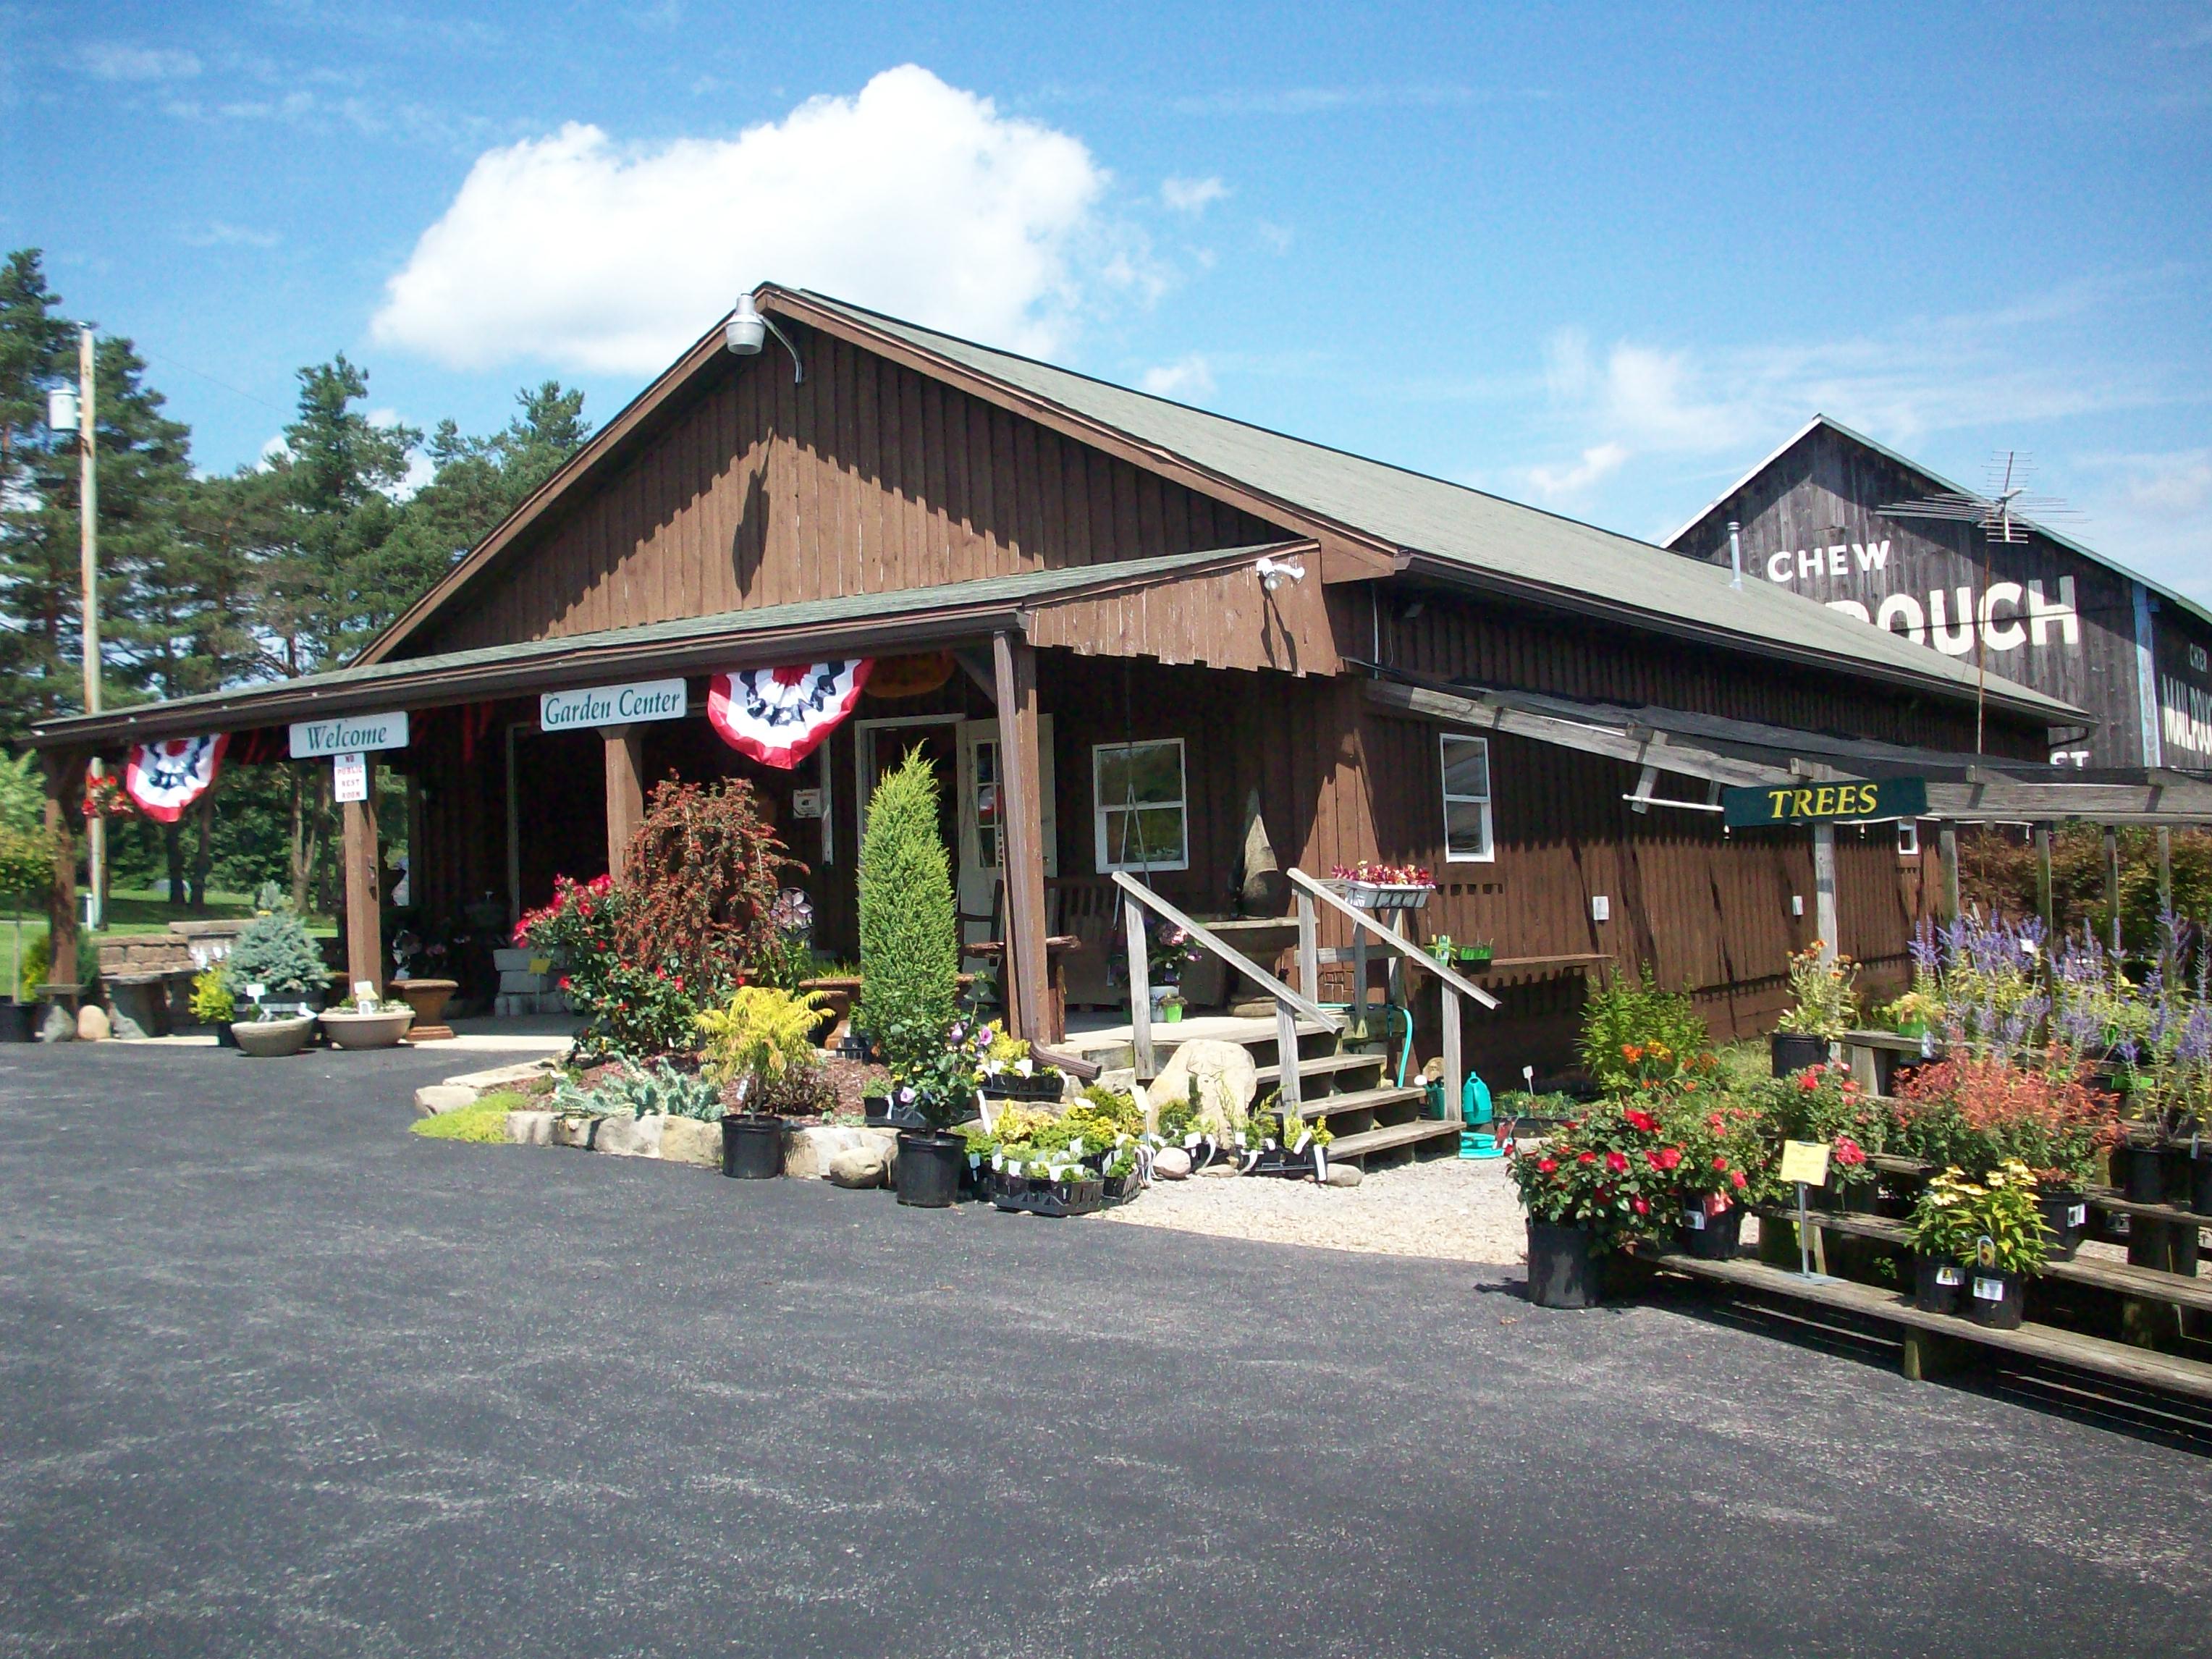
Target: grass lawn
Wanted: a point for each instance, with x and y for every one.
(132, 911)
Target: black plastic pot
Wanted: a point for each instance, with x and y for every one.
(929, 1169)
(224, 1037)
(1564, 1266)
(1710, 1237)
(1792, 1051)
(878, 1112)
(1993, 1299)
(2200, 1181)
(2145, 1180)
(1003, 1087)
(18, 1022)
(1938, 1285)
(752, 1146)
(2065, 1217)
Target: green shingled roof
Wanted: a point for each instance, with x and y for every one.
(1484, 536)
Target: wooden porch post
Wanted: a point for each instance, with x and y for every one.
(625, 792)
(1824, 890)
(1947, 859)
(364, 899)
(65, 771)
(1013, 662)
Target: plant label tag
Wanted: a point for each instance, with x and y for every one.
(1950, 1276)
(1694, 1220)
(257, 990)
(1988, 1289)
(2077, 1215)
(1805, 1161)
(349, 777)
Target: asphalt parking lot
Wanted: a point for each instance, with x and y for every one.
(280, 1378)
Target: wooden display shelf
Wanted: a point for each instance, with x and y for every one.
(2139, 1367)
(2097, 1197)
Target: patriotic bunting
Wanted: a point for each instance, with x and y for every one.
(778, 715)
(164, 778)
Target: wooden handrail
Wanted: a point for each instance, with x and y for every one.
(1404, 946)
(1289, 1006)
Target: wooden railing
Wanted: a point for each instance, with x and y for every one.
(1311, 892)
(1289, 1005)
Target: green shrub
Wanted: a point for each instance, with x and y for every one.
(484, 1122)
(1636, 1015)
(909, 937)
(275, 952)
(212, 1001)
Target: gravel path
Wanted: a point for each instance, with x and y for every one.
(1448, 1209)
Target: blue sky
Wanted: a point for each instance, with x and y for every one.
(1600, 258)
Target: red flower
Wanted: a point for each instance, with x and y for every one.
(1720, 1163)
(1810, 1078)
(1665, 1159)
(1587, 1157)
(1639, 1207)
(1741, 1183)
(1848, 1152)
(564, 981)
(1616, 1162)
(1547, 1164)
(1643, 1121)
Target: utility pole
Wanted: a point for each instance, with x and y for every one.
(88, 505)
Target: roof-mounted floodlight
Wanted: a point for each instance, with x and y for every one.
(747, 331)
(1273, 571)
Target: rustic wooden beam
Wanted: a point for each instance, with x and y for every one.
(65, 773)
(625, 772)
(1140, 990)
(1947, 859)
(1021, 827)
(364, 919)
(1824, 890)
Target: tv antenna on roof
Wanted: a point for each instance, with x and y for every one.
(2006, 513)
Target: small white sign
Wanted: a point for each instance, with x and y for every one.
(349, 777)
(806, 803)
(1601, 907)
(1988, 1289)
(349, 734)
(612, 705)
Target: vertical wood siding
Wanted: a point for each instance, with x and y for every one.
(865, 479)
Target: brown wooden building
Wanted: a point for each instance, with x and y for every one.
(1160, 619)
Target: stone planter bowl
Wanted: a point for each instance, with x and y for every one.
(265, 1039)
(377, 1030)
(427, 997)
(838, 994)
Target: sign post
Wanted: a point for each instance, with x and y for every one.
(1806, 1163)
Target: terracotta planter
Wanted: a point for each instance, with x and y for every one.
(838, 994)
(265, 1039)
(427, 997)
(377, 1030)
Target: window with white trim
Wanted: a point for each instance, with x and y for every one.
(1464, 764)
(1908, 838)
(1142, 816)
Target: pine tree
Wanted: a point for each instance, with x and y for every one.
(38, 569)
(909, 933)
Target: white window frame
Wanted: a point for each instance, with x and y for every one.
(1908, 838)
(1100, 807)
(1489, 854)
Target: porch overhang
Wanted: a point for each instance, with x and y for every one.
(911, 619)
(1732, 753)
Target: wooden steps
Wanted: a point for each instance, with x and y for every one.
(1358, 1100)
(2140, 1367)
(1316, 1065)
(1389, 1138)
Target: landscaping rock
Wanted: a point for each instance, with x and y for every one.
(574, 1132)
(1222, 1172)
(58, 1026)
(127, 1030)
(530, 1128)
(1228, 1077)
(859, 1166)
(1121, 1080)
(92, 1023)
(630, 1137)
(690, 1140)
(1344, 1175)
(807, 1152)
(1171, 1163)
(434, 1098)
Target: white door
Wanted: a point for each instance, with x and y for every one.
(982, 838)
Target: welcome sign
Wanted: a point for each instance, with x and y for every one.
(612, 705)
(349, 734)
(1860, 802)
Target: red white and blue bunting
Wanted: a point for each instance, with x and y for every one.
(778, 715)
(165, 777)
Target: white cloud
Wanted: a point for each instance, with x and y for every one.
(1188, 377)
(2153, 512)
(1600, 461)
(1277, 237)
(217, 232)
(113, 63)
(914, 197)
(1192, 196)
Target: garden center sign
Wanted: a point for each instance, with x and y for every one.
(1768, 804)
(612, 705)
